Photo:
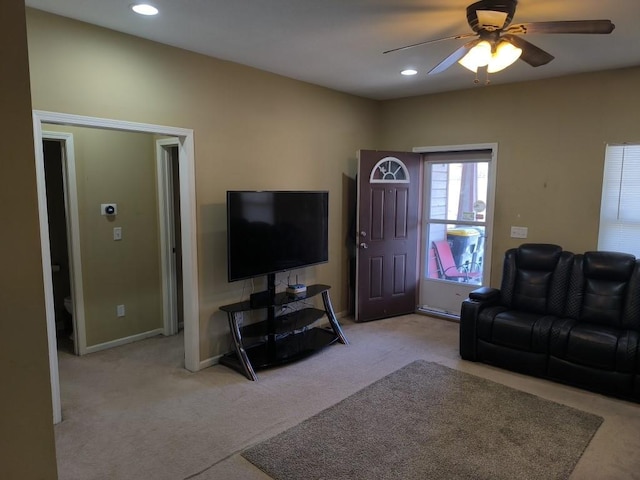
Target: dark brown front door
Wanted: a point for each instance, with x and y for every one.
(387, 234)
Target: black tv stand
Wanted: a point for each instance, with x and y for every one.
(260, 299)
(279, 339)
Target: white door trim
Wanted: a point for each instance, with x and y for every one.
(189, 239)
(166, 220)
(45, 247)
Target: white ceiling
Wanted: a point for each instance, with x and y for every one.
(339, 43)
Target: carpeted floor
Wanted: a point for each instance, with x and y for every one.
(429, 421)
(133, 412)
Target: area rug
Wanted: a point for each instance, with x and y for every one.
(427, 421)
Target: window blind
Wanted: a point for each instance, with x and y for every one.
(620, 205)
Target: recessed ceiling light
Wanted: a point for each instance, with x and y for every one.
(144, 9)
(408, 72)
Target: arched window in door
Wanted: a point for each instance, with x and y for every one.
(389, 170)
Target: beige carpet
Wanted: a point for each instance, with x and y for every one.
(134, 413)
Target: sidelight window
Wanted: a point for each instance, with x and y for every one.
(455, 216)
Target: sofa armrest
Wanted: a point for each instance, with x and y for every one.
(468, 329)
(485, 294)
(478, 300)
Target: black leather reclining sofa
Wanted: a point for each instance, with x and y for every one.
(573, 318)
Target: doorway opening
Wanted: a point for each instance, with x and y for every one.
(168, 170)
(54, 166)
(187, 240)
(62, 215)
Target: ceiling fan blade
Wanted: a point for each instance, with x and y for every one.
(531, 54)
(454, 37)
(567, 26)
(453, 58)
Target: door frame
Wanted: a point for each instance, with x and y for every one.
(73, 236)
(166, 226)
(186, 162)
(488, 240)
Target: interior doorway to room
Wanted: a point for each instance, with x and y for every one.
(187, 236)
(457, 224)
(55, 168)
(168, 168)
(61, 192)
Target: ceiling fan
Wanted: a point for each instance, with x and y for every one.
(499, 44)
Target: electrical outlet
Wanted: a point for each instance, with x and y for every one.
(117, 233)
(120, 310)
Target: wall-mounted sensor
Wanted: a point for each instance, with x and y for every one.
(108, 209)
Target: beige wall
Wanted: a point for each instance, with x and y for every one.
(26, 431)
(252, 130)
(551, 137)
(117, 167)
(255, 130)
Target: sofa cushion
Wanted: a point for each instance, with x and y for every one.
(603, 301)
(611, 266)
(535, 277)
(538, 256)
(525, 331)
(530, 292)
(598, 346)
(600, 289)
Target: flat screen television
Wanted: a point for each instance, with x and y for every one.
(275, 231)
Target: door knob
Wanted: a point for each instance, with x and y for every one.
(363, 233)
(364, 245)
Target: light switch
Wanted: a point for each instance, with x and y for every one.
(519, 232)
(117, 233)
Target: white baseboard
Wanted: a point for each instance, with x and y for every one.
(437, 312)
(210, 361)
(124, 341)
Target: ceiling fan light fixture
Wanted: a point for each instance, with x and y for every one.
(500, 43)
(478, 56)
(505, 55)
